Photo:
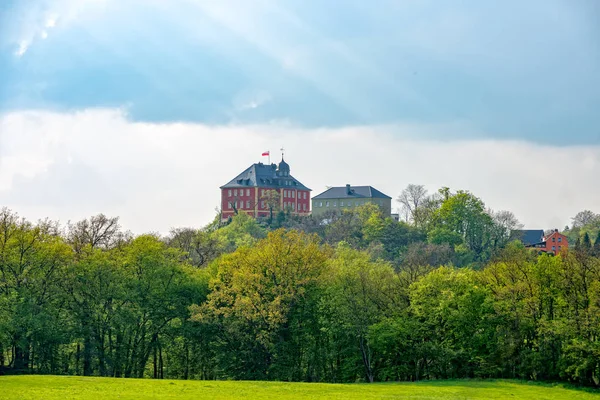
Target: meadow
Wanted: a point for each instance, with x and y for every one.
(84, 388)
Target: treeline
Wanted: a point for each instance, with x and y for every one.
(354, 297)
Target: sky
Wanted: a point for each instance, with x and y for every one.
(143, 108)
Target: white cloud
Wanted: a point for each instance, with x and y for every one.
(249, 100)
(35, 20)
(68, 166)
(23, 47)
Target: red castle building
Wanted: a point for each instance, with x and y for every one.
(263, 188)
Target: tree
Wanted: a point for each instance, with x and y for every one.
(586, 244)
(200, 246)
(465, 214)
(272, 200)
(585, 217)
(596, 248)
(97, 231)
(243, 230)
(453, 311)
(32, 259)
(412, 199)
(362, 293)
(260, 295)
(504, 223)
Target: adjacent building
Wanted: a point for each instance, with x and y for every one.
(346, 197)
(261, 188)
(553, 242)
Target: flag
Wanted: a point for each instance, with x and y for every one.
(266, 153)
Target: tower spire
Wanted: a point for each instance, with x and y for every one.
(282, 152)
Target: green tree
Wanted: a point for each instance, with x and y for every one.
(32, 258)
(465, 214)
(596, 248)
(243, 230)
(261, 297)
(362, 292)
(586, 243)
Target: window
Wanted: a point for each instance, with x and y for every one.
(335, 203)
(229, 205)
(320, 204)
(304, 206)
(229, 193)
(326, 204)
(235, 192)
(559, 247)
(293, 195)
(247, 204)
(559, 240)
(262, 204)
(554, 239)
(553, 248)
(247, 192)
(239, 205)
(341, 204)
(293, 206)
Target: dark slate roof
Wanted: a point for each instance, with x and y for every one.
(528, 236)
(356, 192)
(263, 175)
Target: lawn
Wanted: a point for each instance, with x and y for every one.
(67, 388)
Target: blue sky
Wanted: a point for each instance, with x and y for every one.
(510, 70)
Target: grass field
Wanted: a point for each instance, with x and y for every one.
(67, 388)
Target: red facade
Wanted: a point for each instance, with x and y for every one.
(251, 192)
(252, 201)
(555, 243)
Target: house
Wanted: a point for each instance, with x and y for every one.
(262, 188)
(553, 242)
(346, 197)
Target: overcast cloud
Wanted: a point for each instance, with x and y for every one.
(68, 166)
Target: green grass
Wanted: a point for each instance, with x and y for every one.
(67, 388)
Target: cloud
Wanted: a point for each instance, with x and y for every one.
(33, 20)
(250, 100)
(70, 165)
(519, 71)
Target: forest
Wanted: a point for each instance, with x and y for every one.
(354, 297)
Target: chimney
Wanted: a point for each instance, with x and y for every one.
(348, 190)
(556, 230)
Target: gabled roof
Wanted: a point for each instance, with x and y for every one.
(528, 236)
(263, 175)
(352, 192)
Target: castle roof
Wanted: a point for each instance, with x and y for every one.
(352, 192)
(264, 175)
